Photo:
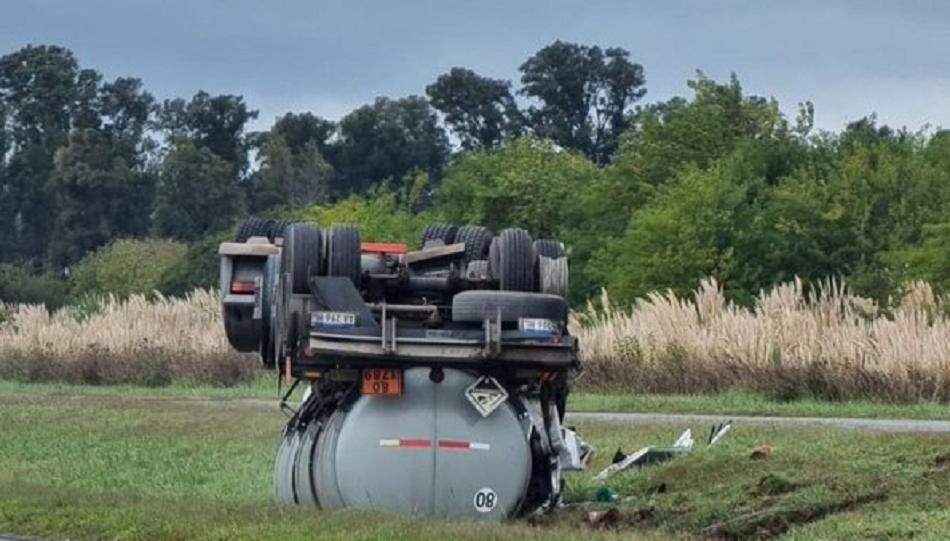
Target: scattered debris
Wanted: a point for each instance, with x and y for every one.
(654, 455)
(717, 432)
(615, 517)
(649, 455)
(602, 519)
(576, 453)
(760, 453)
(605, 494)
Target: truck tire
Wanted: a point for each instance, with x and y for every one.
(444, 232)
(303, 466)
(477, 241)
(269, 283)
(475, 306)
(343, 252)
(284, 467)
(549, 248)
(253, 227)
(553, 275)
(302, 255)
(512, 260)
(278, 228)
(243, 332)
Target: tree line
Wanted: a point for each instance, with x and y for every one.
(648, 196)
(85, 160)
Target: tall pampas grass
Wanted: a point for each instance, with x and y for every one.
(137, 340)
(794, 341)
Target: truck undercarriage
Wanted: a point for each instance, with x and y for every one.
(434, 380)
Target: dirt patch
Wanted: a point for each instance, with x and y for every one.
(772, 522)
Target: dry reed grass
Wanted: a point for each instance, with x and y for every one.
(792, 342)
(151, 342)
(826, 343)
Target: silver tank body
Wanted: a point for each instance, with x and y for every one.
(425, 452)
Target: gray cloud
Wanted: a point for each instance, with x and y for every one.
(849, 58)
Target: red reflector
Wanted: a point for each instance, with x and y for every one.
(243, 287)
(452, 444)
(383, 248)
(415, 443)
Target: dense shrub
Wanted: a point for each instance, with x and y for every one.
(125, 267)
(380, 216)
(197, 268)
(528, 183)
(19, 285)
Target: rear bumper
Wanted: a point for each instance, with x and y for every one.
(332, 348)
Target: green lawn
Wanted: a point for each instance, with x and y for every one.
(122, 466)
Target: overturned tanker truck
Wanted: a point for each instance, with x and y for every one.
(434, 380)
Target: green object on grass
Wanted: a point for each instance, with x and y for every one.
(605, 494)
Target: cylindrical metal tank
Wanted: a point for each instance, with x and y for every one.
(427, 451)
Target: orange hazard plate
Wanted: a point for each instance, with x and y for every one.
(386, 381)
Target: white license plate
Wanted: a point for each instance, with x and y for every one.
(335, 320)
(539, 326)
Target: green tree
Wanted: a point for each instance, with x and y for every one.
(677, 133)
(294, 170)
(687, 232)
(51, 107)
(928, 261)
(101, 184)
(303, 130)
(386, 140)
(8, 207)
(479, 110)
(196, 193)
(289, 177)
(39, 93)
(98, 196)
(126, 110)
(216, 122)
(527, 182)
(584, 95)
(667, 139)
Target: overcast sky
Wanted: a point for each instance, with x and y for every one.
(848, 58)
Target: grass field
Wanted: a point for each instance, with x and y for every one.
(123, 466)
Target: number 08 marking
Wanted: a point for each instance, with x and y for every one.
(485, 500)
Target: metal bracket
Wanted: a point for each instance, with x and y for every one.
(258, 298)
(389, 336)
(387, 332)
(284, 407)
(492, 336)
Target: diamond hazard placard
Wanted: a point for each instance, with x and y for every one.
(485, 395)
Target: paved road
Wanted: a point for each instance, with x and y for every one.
(885, 425)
